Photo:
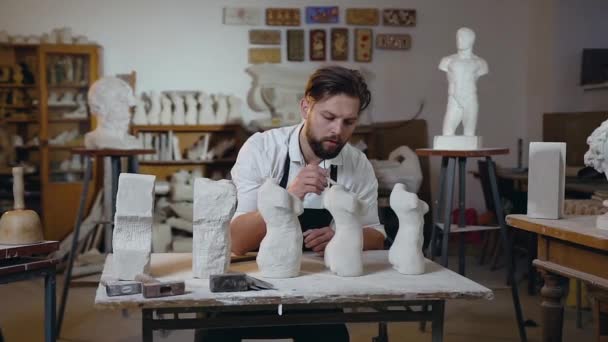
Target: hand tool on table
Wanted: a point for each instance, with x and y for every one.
(236, 282)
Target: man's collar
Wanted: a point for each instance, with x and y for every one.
(295, 154)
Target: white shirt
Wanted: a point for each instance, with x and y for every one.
(263, 156)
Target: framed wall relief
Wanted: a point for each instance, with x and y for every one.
(363, 45)
(264, 55)
(242, 16)
(295, 45)
(318, 45)
(362, 16)
(265, 37)
(388, 41)
(339, 44)
(399, 17)
(283, 16)
(322, 15)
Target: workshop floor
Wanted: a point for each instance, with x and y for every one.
(21, 317)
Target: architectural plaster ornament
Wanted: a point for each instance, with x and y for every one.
(214, 205)
(344, 252)
(280, 251)
(406, 252)
(597, 157)
(402, 166)
(179, 112)
(132, 237)
(110, 99)
(155, 109)
(181, 186)
(463, 69)
(166, 113)
(206, 114)
(140, 117)
(191, 109)
(221, 112)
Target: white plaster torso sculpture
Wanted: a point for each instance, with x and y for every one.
(406, 252)
(206, 115)
(214, 205)
(110, 99)
(191, 109)
(132, 236)
(463, 69)
(344, 252)
(234, 109)
(140, 117)
(280, 251)
(597, 157)
(166, 112)
(181, 186)
(221, 113)
(155, 108)
(179, 113)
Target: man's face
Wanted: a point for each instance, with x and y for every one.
(329, 123)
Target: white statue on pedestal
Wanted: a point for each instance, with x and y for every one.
(166, 113)
(463, 69)
(154, 113)
(191, 109)
(406, 252)
(110, 99)
(206, 114)
(344, 252)
(140, 118)
(281, 249)
(597, 157)
(179, 113)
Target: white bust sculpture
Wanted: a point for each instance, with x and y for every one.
(597, 157)
(344, 252)
(281, 249)
(463, 69)
(110, 99)
(406, 252)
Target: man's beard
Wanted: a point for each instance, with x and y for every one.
(317, 145)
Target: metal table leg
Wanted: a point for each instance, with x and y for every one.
(146, 325)
(49, 306)
(447, 213)
(508, 249)
(79, 217)
(431, 247)
(462, 162)
(438, 313)
(133, 164)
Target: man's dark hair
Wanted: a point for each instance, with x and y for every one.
(336, 80)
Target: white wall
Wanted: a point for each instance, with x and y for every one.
(183, 45)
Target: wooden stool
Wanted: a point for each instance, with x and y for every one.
(447, 177)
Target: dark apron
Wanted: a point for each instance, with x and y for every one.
(311, 218)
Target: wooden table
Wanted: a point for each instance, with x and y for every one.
(22, 262)
(573, 184)
(380, 287)
(571, 247)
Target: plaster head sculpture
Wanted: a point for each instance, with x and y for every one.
(597, 157)
(281, 249)
(344, 252)
(406, 252)
(110, 99)
(463, 69)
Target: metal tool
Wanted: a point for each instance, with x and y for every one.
(121, 288)
(236, 282)
(154, 288)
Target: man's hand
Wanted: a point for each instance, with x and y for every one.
(317, 239)
(311, 178)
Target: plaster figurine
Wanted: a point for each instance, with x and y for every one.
(214, 205)
(234, 109)
(344, 252)
(179, 113)
(81, 111)
(132, 236)
(280, 251)
(206, 114)
(181, 186)
(68, 98)
(221, 112)
(463, 69)
(155, 108)
(140, 117)
(166, 113)
(191, 109)
(110, 99)
(597, 157)
(406, 252)
(53, 99)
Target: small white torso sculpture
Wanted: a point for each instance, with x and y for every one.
(181, 186)
(406, 252)
(463, 69)
(206, 115)
(166, 113)
(132, 236)
(280, 251)
(191, 110)
(179, 113)
(155, 108)
(221, 113)
(140, 118)
(597, 157)
(110, 99)
(234, 109)
(344, 252)
(214, 205)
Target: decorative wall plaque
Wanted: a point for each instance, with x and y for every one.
(362, 16)
(363, 45)
(264, 55)
(339, 44)
(295, 45)
(283, 16)
(318, 45)
(399, 17)
(265, 37)
(242, 16)
(322, 15)
(390, 41)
